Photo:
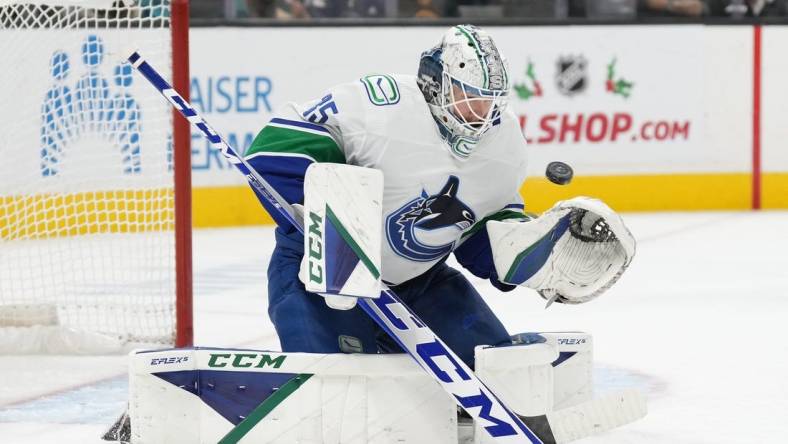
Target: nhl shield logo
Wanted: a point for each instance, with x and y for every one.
(571, 76)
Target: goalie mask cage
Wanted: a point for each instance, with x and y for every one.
(95, 225)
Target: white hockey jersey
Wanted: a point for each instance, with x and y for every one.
(432, 199)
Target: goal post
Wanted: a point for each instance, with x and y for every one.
(95, 178)
(179, 24)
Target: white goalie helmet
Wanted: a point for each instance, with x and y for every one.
(465, 83)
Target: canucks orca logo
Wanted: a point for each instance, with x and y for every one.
(438, 218)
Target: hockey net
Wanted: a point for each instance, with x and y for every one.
(87, 189)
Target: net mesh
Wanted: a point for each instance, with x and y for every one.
(86, 178)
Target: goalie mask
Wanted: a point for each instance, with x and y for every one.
(465, 83)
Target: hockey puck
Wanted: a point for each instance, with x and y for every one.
(559, 173)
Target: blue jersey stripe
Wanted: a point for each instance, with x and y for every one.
(306, 125)
(286, 176)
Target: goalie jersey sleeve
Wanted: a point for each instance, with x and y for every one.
(297, 136)
(475, 253)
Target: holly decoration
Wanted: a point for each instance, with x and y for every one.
(621, 86)
(522, 89)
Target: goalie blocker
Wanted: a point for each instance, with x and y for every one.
(343, 214)
(230, 395)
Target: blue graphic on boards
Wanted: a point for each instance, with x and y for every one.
(92, 107)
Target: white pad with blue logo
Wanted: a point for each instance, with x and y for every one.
(572, 253)
(210, 395)
(342, 232)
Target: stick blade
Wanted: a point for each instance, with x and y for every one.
(597, 416)
(541, 428)
(120, 431)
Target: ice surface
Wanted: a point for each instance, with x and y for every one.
(698, 322)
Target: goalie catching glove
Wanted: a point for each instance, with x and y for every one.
(571, 254)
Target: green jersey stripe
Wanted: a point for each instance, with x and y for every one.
(321, 148)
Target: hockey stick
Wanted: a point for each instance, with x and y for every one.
(388, 311)
(591, 417)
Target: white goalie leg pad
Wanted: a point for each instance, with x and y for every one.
(521, 375)
(551, 374)
(162, 411)
(573, 370)
(342, 240)
(248, 396)
(571, 253)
